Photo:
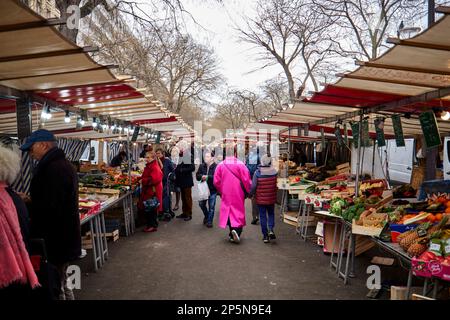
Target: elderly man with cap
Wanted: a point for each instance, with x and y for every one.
(54, 204)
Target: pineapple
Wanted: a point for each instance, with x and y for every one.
(418, 247)
(408, 240)
(404, 234)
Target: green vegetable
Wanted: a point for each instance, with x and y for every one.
(353, 212)
(337, 205)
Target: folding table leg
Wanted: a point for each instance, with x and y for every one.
(348, 258)
(132, 222)
(94, 244)
(408, 285)
(332, 263)
(341, 248)
(104, 239)
(99, 240)
(125, 216)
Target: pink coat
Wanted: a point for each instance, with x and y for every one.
(232, 197)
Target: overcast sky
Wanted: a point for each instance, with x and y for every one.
(217, 23)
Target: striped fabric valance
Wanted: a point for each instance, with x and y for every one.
(73, 149)
(23, 180)
(114, 149)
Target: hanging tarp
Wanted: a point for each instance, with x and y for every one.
(73, 149)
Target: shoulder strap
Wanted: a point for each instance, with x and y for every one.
(232, 172)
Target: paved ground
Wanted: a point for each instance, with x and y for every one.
(185, 260)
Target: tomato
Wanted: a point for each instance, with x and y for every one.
(438, 217)
(431, 217)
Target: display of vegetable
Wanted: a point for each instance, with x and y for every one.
(337, 205)
(353, 212)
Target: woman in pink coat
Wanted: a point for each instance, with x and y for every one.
(227, 179)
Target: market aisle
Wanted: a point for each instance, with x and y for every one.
(185, 260)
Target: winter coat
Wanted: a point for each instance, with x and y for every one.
(264, 185)
(183, 173)
(168, 167)
(54, 207)
(203, 171)
(252, 162)
(151, 177)
(23, 217)
(232, 196)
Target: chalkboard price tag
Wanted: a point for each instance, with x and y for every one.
(355, 133)
(398, 130)
(379, 129)
(365, 132)
(430, 129)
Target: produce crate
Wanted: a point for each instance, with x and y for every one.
(291, 218)
(387, 197)
(362, 244)
(397, 229)
(365, 231)
(111, 236)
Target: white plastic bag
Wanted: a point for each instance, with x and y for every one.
(203, 191)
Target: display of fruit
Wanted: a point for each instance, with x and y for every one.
(403, 235)
(418, 247)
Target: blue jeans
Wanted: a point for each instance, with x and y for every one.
(209, 213)
(264, 212)
(166, 199)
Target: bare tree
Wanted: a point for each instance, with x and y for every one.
(365, 24)
(176, 69)
(274, 93)
(289, 33)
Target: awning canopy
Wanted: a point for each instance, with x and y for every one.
(35, 57)
(392, 84)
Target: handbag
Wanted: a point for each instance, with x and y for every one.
(152, 203)
(246, 194)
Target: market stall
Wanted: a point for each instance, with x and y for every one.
(388, 98)
(46, 81)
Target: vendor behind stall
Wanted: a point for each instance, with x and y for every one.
(119, 159)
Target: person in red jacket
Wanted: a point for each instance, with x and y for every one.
(264, 188)
(151, 185)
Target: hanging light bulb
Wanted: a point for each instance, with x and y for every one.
(82, 122)
(445, 115)
(46, 113)
(94, 122)
(67, 117)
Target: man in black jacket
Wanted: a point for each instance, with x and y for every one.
(205, 172)
(54, 203)
(185, 181)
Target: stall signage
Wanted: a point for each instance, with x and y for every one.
(365, 134)
(135, 133)
(430, 129)
(379, 129)
(337, 133)
(398, 130)
(355, 133)
(345, 134)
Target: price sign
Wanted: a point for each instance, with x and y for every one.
(398, 130)
(355, 133)
(365, 134)
(430, 129)
(379, 129)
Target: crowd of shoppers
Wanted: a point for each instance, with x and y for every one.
(50, 212)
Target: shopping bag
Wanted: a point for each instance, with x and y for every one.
(203, 191)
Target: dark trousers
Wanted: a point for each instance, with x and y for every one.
(238, 230)
(151, 218)
(209, 213)
(166, 198)
(255, 210)
(267, 218)
(186, 199)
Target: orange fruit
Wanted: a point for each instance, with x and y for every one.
(438, 217)
(447, 204)
(430, 217)
(447, 210)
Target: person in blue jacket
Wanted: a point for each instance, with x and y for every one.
(252, 162)
(167, 167)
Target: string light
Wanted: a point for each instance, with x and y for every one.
(445, 115)
(46, 113)
(67, 117)
(94, 122)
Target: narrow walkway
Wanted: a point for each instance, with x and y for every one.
(186, 260)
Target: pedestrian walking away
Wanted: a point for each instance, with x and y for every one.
(185, 182)
(264, 191)
(205, 173)
(252, 162)
(167, 167)
(232, 180)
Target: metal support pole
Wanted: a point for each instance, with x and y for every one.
(373, 159)
(358, 162)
